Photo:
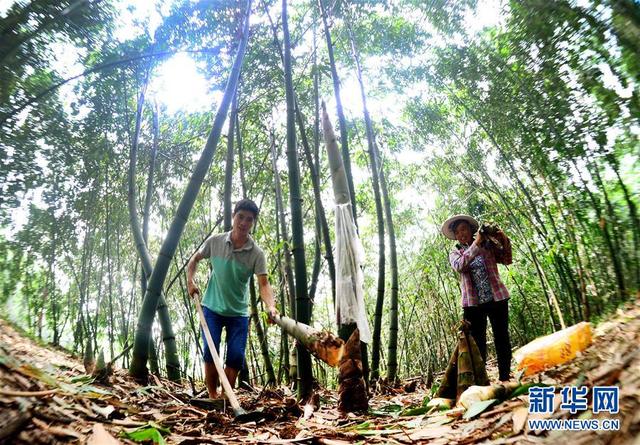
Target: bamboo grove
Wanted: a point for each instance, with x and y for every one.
(530, 121)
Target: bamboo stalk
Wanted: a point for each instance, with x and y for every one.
(323, 345)
(338, 175)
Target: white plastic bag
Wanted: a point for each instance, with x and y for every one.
(349, 278)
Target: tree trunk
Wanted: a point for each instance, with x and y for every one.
(283, 229)
(321, 216)
(111, 321)
(284, 351)
(262, 338)
(617, 267)
(168, 337)
(344, 136)
(243, 182)
(54, 307)
(374, 166)
(146, 215)
(393, 269)
(317, 258)
(303, 305)
(228, 173)
(138, 363)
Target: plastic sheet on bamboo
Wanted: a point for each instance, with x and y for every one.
(349, 277)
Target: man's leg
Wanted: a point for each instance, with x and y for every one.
(232, 375)
(214, 322)
(499, 317)
(237, 332)
(478, 319)
(211, 379)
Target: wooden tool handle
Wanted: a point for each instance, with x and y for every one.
(216, 358)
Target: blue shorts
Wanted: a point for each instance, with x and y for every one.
(237, 332)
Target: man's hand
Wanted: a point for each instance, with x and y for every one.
(193, 289)
(266, 293)
(273, 313)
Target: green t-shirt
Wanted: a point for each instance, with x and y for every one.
(228, 288)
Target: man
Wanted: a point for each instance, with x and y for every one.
(234, 257)
(483, 293)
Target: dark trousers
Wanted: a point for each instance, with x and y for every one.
(498, 313)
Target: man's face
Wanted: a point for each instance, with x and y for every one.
(243, 221)
(463, 233)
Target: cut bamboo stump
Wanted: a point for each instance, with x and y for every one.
(323, 345)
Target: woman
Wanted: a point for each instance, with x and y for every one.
(483, 293)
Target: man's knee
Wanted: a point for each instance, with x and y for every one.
(237, 337)
(235, 359)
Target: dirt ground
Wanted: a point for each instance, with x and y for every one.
(46, 397)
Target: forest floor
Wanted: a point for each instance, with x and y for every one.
(46, 397)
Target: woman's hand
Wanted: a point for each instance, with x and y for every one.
(479, 238)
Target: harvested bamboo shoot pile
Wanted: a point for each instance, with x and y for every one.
(323, 345)
(465, 368)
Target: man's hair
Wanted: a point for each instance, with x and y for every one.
(248, 205)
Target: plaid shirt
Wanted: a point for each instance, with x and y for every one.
(461, 256)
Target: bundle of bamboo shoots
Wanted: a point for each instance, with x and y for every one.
(465, 368)
(490, 231)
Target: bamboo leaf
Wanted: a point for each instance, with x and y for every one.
(379, 432)
(415, 411)
(146, 389)
(84, 378)
(393, 410)
(478, 408)
(100, 436)
(362, 426)
(414, 423)
(519, 418)
(524, 389)
(152, 431)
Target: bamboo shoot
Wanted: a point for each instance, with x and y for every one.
(352, 394)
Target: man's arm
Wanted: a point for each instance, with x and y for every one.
(192, 288)
(266, 293)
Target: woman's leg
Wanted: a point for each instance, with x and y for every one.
(478, 319)
(499, 317)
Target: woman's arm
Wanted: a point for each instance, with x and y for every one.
(460, 261)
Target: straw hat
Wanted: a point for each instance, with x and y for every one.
(446, 226)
